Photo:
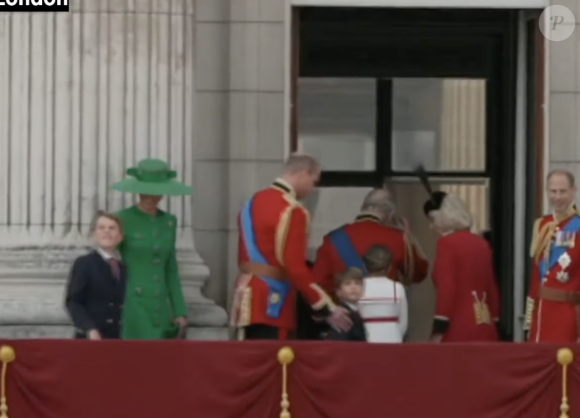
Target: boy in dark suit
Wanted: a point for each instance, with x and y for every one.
(349, 289)
(96, 288)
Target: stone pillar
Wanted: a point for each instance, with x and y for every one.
(563, 101)
(463, 140)
(87, 94)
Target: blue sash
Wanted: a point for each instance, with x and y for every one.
(557, 251)
(346, 250)
(278, 290)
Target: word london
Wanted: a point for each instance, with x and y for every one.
(34, 6)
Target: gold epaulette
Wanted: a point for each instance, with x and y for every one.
(541, 237)
(543, 234)
(535, 233)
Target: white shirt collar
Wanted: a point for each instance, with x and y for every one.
(107, 256)
(378, 277)
(352, 306)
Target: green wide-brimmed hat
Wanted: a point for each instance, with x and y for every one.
(152, 177)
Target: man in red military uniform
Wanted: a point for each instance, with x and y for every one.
(468, 304)
(344, 247)
(553, 303)
(272, 256)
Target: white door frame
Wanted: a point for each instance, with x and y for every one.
(520, 181)
(520, 246)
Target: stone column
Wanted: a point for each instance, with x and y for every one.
(463, 140)
(87, 94)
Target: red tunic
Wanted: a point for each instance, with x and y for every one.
(367, 230)
(467, 293)
(551, 320)
(280, 228)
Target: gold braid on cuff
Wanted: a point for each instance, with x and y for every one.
(530, 306)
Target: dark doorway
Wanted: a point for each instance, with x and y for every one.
(400, 57)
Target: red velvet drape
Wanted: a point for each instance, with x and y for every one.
(424, 380)
(174, 379)
(143, 379)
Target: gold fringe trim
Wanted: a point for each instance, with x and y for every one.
(245, 313)
(241, 310)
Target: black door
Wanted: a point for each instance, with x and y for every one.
(410, 57)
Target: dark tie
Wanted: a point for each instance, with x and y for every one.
(116, 267)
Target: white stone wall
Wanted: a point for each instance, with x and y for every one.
(564, 97)
(84, 96)
(240, 88)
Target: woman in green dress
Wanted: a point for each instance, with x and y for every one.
(154, 305)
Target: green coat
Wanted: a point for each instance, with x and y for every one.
(154, 295)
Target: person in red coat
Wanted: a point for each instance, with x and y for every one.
(344, 247)
(468, 303)
(553, 303)
(273, 241)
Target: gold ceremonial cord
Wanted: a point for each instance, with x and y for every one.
(285, 357)
(7, 355)
(543, 237)
(565, 356)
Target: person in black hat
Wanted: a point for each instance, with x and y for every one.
(434, 203)
(463, 273)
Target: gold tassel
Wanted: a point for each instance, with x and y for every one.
(285, 357)
(7, 355)
(565, 356)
